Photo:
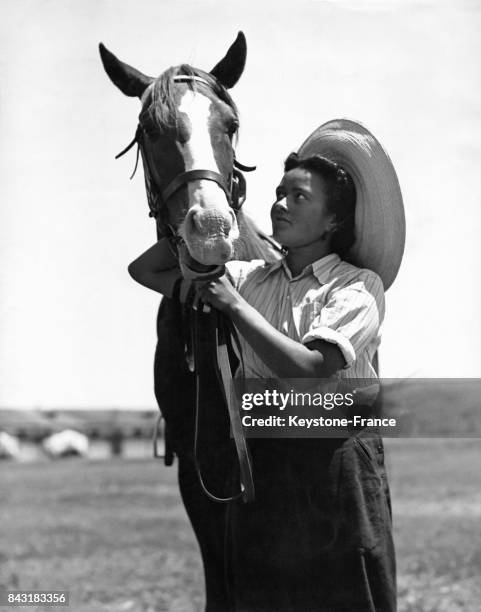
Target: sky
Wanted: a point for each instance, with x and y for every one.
(75, 330)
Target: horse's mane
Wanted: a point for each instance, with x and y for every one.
(253, 243)
(159, 110)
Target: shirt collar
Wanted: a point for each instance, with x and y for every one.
(321, 269)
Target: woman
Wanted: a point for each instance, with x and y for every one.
(318, 536)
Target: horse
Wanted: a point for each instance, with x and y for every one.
(187, 132)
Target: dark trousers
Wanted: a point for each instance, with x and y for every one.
(317, 538)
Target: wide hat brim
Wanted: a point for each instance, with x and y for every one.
(380, 222)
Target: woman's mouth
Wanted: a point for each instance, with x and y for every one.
(281, 220)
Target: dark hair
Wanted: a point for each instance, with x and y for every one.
(340, 196)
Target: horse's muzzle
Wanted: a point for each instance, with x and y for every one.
(212, 252)
(209, 234)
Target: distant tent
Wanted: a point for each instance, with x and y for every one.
(26, 424)
(9, 446)
(66, 443)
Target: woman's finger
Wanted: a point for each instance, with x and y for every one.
(203, 293)
(201, 290)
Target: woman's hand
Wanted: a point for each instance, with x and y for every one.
(220, 294)
(287, 358)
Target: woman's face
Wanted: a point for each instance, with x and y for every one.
(299, 215)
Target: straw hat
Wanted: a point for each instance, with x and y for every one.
(380, 223)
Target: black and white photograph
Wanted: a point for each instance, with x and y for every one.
(240, 357)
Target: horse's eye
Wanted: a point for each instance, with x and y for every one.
(150, 130)
(152, 135)
(232, 128)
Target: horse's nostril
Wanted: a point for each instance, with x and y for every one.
(210, 222)
(196, 220)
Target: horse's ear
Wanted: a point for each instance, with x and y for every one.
(130, 81)
(228, 71)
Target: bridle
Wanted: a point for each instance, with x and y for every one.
(222, 328)
(157, 196)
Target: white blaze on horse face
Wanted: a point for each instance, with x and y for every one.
(210, 226)
(198, 151)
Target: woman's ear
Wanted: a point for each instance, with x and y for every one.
(330, 229)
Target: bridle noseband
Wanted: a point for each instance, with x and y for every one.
(194, 175)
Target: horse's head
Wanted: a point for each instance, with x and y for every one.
(186, 129)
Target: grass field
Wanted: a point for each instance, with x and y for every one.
(114, 533)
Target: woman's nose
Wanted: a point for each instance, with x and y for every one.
(280, 204)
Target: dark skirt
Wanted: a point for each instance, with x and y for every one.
(318, 536)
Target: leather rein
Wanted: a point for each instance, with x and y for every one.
(223, 329)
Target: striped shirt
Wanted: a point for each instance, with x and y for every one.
(329, 300)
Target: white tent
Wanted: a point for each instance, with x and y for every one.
(9, 446)
(66, 443)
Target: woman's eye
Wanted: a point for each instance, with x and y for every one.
(299, 196)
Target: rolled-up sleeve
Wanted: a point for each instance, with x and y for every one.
(351, 316)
